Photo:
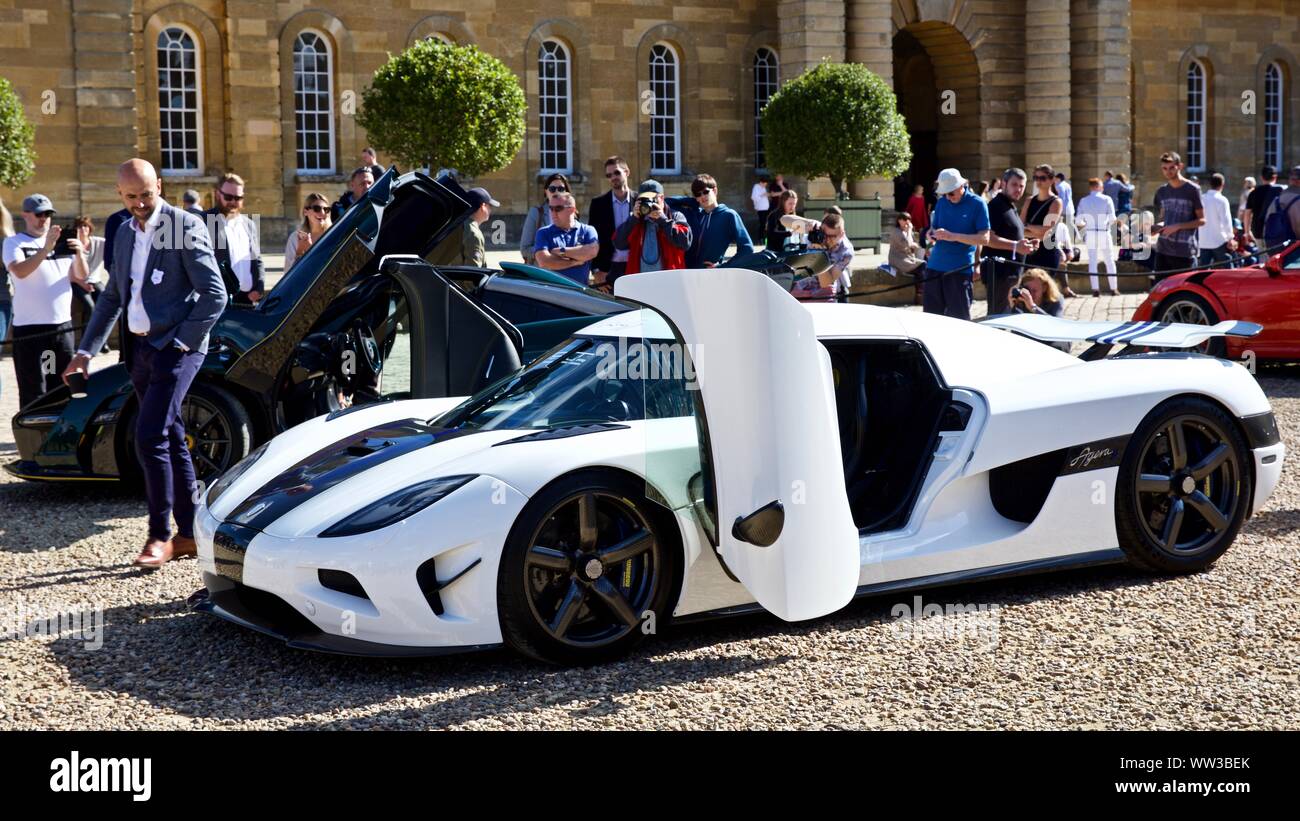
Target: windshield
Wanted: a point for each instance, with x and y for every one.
(585, 380)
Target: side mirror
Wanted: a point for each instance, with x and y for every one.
(1274, 265)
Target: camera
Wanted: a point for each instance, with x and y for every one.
(644, 205)
(1016, 292)
(817, 236)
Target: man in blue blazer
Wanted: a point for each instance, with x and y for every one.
(166, 279)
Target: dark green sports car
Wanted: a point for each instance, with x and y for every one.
(360, 318)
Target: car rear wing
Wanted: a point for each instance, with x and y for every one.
(1105, 335)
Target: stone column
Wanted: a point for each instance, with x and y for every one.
(1047, 84)
(810, 31)
(1101, 88)
(253, 138)
(104, 71)
(869, 40)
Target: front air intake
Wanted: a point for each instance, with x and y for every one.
(342, 582)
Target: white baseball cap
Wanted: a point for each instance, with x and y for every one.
(950, 179)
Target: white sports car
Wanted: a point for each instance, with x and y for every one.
(725, 448)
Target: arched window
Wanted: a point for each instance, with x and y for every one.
(665, 112)
(554, 108)
(1273, 115)
(313, 104)
(1196, 97)
(766, 70)
(442, 37)
(179, 111)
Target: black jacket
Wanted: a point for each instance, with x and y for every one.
(600, 215)
(221, 250)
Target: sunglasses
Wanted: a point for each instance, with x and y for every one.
(703, 193)
(231, 197)
(611, 174)
(555, 209)
(1041, 179)
(556, 189)
(319, 209)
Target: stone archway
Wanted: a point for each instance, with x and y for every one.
(937, 82)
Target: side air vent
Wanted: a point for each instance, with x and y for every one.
(342, 582)
(1018, 490)
(426, 575)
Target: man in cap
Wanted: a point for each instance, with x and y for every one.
(166, 280)
(961, 224)
(654, 237)
(42, 304)
(467, 246)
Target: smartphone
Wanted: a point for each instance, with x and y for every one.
(61, 247)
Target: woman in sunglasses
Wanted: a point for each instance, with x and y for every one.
(539, 216)
(1040, 214)
(315, 221)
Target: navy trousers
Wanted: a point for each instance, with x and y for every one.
(949, 294)
(161, 379)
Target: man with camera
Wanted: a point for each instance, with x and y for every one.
(655, 237)
(42, 259)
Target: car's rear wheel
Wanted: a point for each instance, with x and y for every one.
(1192, 309)
(588, 564)
(1184, 487)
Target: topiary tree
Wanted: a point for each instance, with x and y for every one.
(837, 120)
(17, 139)
(445, 106)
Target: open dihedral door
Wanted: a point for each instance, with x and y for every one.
(769, 442)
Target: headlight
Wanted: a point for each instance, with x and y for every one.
(225, 480)
(396, 506)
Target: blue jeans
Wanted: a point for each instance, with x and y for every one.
(161, 379)
(6, 319)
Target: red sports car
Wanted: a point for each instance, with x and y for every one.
(1267, 294)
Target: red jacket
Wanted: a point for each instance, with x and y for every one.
(672, 257)
(919, 213)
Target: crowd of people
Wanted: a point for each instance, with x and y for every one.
(991, 231)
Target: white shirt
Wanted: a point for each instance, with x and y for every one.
(758, 195)
(137, 318)
(240, 244)
(1217, 229)
(43, 297)
(1097, 212)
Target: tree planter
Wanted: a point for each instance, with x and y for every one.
(861, 219)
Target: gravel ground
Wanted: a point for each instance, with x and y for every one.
(1103, 648)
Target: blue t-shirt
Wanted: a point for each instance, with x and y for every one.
(969, 216)
(554, 238)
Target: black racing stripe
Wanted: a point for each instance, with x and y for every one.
(335, 463)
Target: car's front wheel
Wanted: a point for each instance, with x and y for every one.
(589, 568)
(1184, 487)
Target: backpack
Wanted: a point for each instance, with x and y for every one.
(1277, 225)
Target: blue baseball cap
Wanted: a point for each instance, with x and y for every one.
(38, 204)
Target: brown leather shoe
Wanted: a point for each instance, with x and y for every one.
(156, 553)
(183, 546)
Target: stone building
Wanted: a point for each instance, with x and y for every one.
(267, 87)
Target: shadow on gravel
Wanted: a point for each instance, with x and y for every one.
(77, 575)
(56, 515)
(202, 667)
(1274, 522)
